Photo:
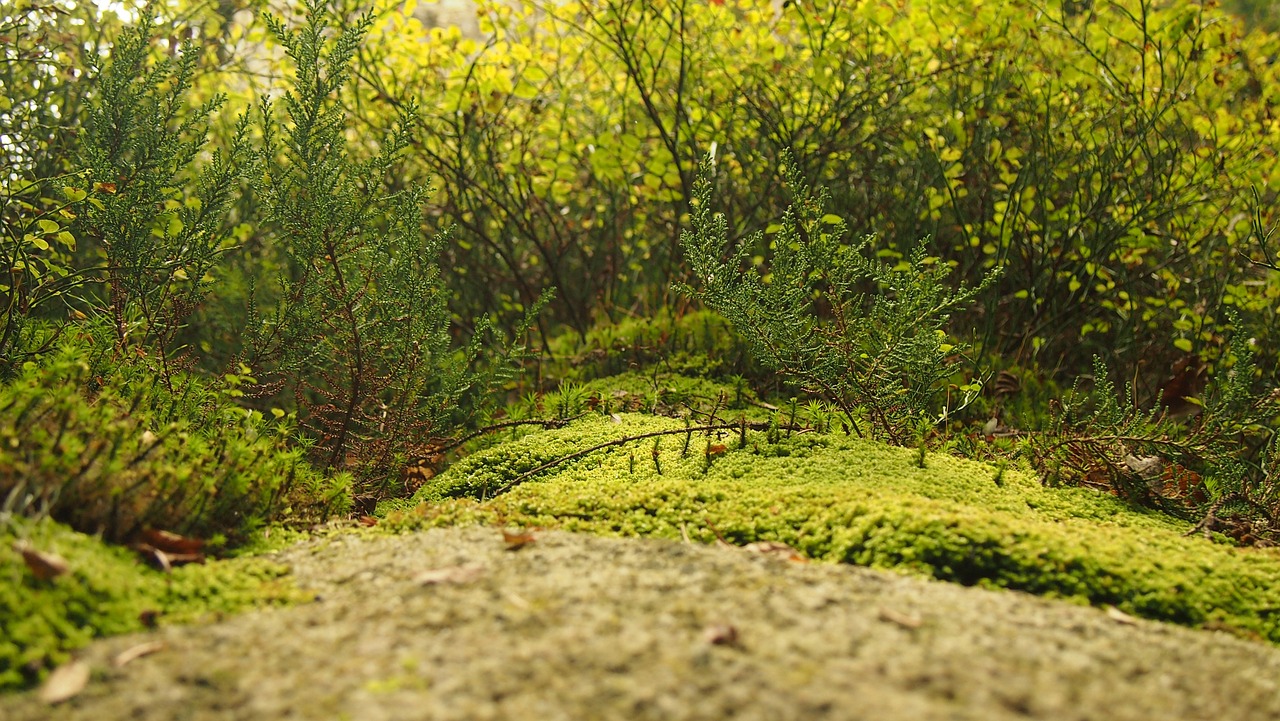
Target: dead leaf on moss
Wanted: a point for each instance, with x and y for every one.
(45, 566)
(136, 652)
(172, 542)
(368, 521)
(450, 574)
(65, 682)
(163, 560)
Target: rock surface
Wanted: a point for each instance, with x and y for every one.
(453, 624)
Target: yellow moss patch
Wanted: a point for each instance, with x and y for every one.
(841, 499)
(106, 592)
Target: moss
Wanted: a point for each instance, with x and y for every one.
(699, 344)
(108, 591)
(844, 500)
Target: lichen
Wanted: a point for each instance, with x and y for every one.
(844, 500)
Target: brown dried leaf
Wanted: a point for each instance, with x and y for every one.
(720, 634)
(133, 654)
(450, 574)
(517, 540)
(172, 542)
(45, 566)
(776, 549)
(65, 682)
(716, 449)
(368, 521)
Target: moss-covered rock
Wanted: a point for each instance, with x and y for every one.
(108, 591)
(845, 500)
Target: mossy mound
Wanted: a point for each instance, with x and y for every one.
(841, 499)
(107, 591)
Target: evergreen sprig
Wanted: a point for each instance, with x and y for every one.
(361, 334)
(866, 336)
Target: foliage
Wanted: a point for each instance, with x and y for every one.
(1102, 157)
(1101, 439)
(42, 89)
(111, 449)
(860, 333)
(361, 334)
(160, 224)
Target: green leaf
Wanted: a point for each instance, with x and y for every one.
(1183, 344)
(47, 226)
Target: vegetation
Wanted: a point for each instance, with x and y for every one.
(266, 270)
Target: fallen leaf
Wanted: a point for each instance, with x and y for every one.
(776, 549)
(615, 417)
(105, 187)
(1119, 616)
(165, 560)
(716, 449)
(517, 540)
(65, 682)
(44, 566)
(720, 634)
(368, 521)
(172, 542)
(450, 574)
(901, 619)
(133, 654)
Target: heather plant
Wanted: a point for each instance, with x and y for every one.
(361, 334)
(865, 335)
(158, 220)
(1219, 461)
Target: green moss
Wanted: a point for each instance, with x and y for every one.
(106, 592)
(844, 500)
(699, 344)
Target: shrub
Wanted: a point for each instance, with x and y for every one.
(1102, 156)
(864, 335)
(361, 335)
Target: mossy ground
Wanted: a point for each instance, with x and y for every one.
(841, 499)
(109, 591)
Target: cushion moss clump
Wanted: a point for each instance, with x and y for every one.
(110, 450)
(846, 500)
(108, 592)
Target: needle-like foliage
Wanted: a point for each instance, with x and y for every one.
(862, 334)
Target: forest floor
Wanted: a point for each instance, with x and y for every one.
(458, 623)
